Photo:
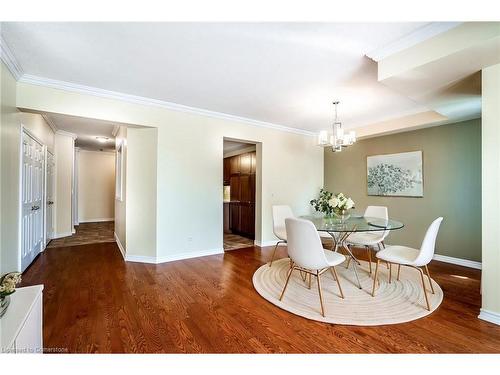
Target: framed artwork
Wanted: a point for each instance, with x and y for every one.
(396, 175)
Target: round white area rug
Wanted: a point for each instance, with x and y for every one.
(397, 302)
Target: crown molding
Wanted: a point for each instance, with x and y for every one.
(10, 60)
(51, 123)
(88, 90)
(421, 34)
(67, 134)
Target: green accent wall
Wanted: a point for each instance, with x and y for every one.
(452, 185)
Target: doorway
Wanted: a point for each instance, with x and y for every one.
(239, 186)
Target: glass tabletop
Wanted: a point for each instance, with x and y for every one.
(355, 223)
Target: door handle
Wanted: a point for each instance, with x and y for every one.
(50, 202)
(34, 208)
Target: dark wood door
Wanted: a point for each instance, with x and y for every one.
(234, 167)
(246, 163)
(234, 217)
(246, 188)
(227, 170)
(247, 219)
(254, 163)
(234, 183)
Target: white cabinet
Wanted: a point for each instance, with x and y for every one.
(21, 326)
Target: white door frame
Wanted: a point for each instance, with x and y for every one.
(23, 130)
(46, 190)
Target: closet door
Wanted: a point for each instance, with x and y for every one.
(49, 213)
(32, 197)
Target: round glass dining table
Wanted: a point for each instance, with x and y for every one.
(341, 230)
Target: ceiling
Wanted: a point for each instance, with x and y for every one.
(282, 73)
(230, 146)
(86, 131)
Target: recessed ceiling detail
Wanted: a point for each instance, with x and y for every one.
(276, 73)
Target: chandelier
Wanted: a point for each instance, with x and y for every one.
(337, 139)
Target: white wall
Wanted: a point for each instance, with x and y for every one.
(490, 309)
(189, 169)
(11, 120)
(121, 204)
(141, 211)
(64, 156)
(96, 186)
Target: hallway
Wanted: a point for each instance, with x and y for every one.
(87, 233)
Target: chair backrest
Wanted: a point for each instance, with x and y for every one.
(379, 212)
(428, 244)
(304, 244)
(280, 213)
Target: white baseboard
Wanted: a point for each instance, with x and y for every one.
(120, 246)
(267, 243)
(171, 258)
(140, 259)
(489, 316)
(98, 220)
(458, 261)
(61, 235)
(189, 255)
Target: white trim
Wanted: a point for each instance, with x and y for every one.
(88, 90)
(65, 133)
(51, 123)
(98, 220)
(458, 261)
(489, 316)
(421, 34)
(10, 60)
(189, 255)
(115, 130)
(268, 243)
(120, 246)
(140, 259)
(171, 258)
(61, 235)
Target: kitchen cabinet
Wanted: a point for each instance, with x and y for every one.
(240, 171)
(227, 171)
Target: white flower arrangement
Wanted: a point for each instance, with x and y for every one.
(329, 203)
(340, 203)
(8, 283)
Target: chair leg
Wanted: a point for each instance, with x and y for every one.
(375, 278)
(390, 271)
(425, 291)
(399, 270)
(333, 273)
(369, 258)
(287, 280)
(274, 253)
(348, 262)
(338, 281)
(320, 294)
(309, 280)
(429, 277)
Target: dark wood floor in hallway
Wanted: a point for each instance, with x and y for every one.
(96, 302)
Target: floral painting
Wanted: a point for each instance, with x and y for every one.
(396, 174)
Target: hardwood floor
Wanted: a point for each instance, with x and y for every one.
(96, 302)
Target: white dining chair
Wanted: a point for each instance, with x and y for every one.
(280, 213)
(374, 239)
(407, 256)
(308, 256)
